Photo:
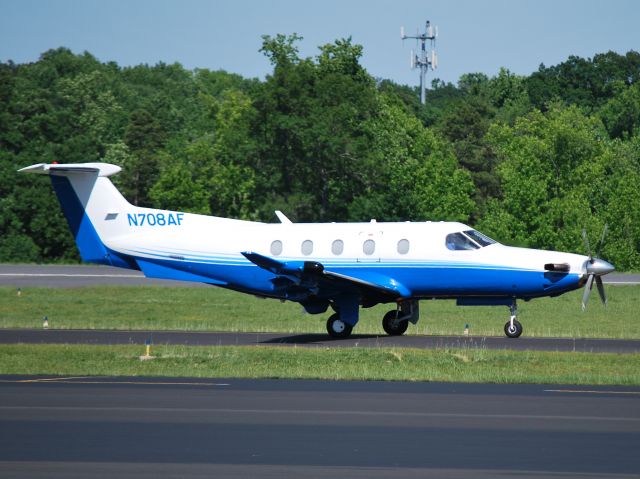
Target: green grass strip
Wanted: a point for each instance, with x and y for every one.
(455, 365)
(214, 309)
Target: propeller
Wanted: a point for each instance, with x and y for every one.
(595, 269)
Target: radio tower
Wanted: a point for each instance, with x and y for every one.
(424, 59)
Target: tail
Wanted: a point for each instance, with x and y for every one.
(91, 204)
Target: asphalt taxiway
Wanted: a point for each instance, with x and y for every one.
(168, 427)
(195, 338)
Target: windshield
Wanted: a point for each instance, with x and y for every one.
(481, 239)
(467, 240)
(458, 241)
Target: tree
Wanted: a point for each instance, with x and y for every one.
(465, 125)
(310, 117)
(414, 174)
(621, 114)
(144, 137)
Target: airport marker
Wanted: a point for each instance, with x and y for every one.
(147, 354)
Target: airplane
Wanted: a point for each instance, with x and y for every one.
(342, 266)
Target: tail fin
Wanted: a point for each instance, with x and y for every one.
(90, 203)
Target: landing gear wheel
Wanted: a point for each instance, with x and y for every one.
(515, 331)
(337, 328)
(392, 326)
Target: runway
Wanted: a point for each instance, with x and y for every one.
(61, 336)
(146, 427)
(73, 276)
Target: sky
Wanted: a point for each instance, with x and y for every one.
(474, 36)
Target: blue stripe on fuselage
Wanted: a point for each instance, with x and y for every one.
(424, 281)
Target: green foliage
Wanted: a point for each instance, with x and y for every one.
(415, 172)
(311, 117)
(281, 50)
(177, 189)
(583, 82)
(621, 114)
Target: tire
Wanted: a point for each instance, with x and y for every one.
(337, 328)
(393, 327)
(514, 332)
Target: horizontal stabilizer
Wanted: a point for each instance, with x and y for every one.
(102, 169)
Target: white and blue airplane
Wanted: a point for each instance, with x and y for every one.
(339, 265)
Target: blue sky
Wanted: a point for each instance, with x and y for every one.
(475, 36)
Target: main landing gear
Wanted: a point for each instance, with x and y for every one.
(337, 328)
(513, 328)
(394, 323)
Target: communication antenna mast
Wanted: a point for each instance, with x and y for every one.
(423, 60)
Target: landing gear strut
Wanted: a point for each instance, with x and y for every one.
(513, 328)
(337, 328)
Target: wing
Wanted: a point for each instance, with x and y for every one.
(305, 278)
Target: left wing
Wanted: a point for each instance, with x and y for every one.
(311, 277)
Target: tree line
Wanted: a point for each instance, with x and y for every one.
(530, 160)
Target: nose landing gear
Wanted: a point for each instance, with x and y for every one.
(513, 328)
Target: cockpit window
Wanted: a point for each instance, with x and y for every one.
(481, 239)
(467, 240)
(458, 241)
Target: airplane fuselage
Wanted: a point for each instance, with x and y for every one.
(414, 254)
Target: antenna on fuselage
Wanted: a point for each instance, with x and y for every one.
(424, 60)
(281, 216)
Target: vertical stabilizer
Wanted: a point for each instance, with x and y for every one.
(91, 204)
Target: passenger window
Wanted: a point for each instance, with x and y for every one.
(369, 247)
(276, 247)
(458, 241)
(337, 247)
(307, 247)
(403, 246)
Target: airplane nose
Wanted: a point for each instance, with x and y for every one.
(599, 267)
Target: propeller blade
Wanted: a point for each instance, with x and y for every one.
(587, 291)
(600, 286)
(604, 233)
(586, 243)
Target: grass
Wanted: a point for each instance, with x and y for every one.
(215, 309)
(459, 365)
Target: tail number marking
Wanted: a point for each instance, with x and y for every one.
(155, 219)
